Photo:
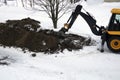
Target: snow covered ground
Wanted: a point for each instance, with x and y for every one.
(85, 64)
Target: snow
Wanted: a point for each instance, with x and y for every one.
(85, 64)
(92, 2)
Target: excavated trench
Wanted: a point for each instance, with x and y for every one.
(27, 35)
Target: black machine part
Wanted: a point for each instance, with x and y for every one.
(87, 17)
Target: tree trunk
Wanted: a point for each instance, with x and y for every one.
(54, 23)
(22, 3)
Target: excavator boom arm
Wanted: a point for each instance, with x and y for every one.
(87, 17)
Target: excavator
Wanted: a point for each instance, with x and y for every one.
(109, 34)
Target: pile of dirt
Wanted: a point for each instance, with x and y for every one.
(26, 34)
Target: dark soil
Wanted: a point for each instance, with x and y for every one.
(26, 34)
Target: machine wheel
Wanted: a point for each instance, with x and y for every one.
(113, 44)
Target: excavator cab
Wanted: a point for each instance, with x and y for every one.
(114, 24)
(113, 31)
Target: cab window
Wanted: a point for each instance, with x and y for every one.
(114, 24)
(117, 19)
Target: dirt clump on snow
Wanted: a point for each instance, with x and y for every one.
(27, 35)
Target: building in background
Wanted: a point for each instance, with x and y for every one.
(112, 0)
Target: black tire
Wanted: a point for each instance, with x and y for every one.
(113, 44)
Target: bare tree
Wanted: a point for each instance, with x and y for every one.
(24, 3)
(74, 1)
(54, 8)
(31, 3)
(5, 1)
(28, 3)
